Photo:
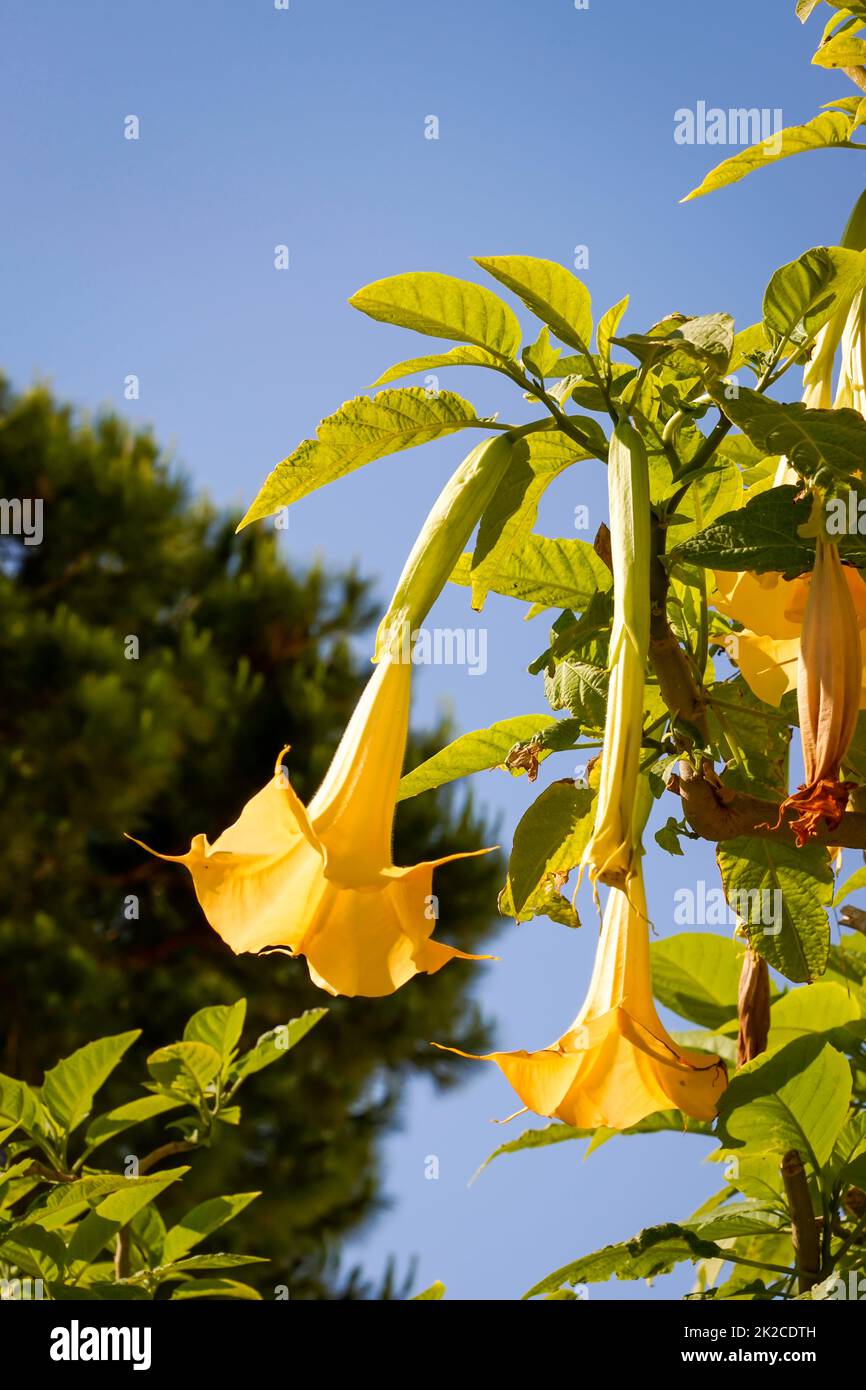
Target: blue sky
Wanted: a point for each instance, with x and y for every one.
(305, 127)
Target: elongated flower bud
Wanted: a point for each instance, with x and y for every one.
(453, 518)
(829, 678)
(842, 327)
(609, 853)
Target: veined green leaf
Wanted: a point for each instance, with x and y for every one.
(841, 51)
(828, 130)
(20, 1107)
(442, 307)
(218, 1261)
(580, 687)
(796, 1098)
(69, 1087)
(127, 1201)
(812, 1009)
(274, 1044)
(456, 357)
(812, 439)
(655, 1251)
(185, 1066)
(608, 325)
(123, 1117)
(697, 974)
(549, 291)
(361, 431)
(508, 521)
(762, 536)
(549, 839)
(545, 572)
(215, 1288)
(781, 894)
(219, 1026)
(474, 752)
(804, 294)
(201, 1221)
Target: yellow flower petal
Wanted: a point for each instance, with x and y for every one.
(616, 1064)
(319, 881)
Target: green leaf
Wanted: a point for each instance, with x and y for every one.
(126, 1202)
(554, 1133)
(797, 1098)
(686, 344)
(148, 1232)
(219, 1026)
(124, 1117)
(362, 430)
(549, 291)
(546, 572)
(545, 901)
(68, 1200)
(121, 1206)
(607, 327)
(219, 1261)
(455, 357)
(654, 1251)
(433, 1294)
(710, 497)
(549, 839)
(69, 1087)
(21, 1108)
(581, 688)
(841, 51)
(187, 1067)
(762, 536)
(813, 440)
(781, 894)
(507, 523)
(853, 883)
(215, 1288)
(697, 975)
(803, 295)
(201, 1221)
(828, 130)
(41, 1254)
(813, 1009)
(274, 1044)
(668, 836)
(442, 307)
(540, 358)
(474, 752)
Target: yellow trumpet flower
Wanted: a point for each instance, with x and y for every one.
(318, 881)
(616, 1064)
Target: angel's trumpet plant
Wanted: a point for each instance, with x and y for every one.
(616, 1063)
(851, 390)
(844, 326)
(829, 684)
(319, 881)
(608, 853)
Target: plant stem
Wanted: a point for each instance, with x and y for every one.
(804, 1227)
